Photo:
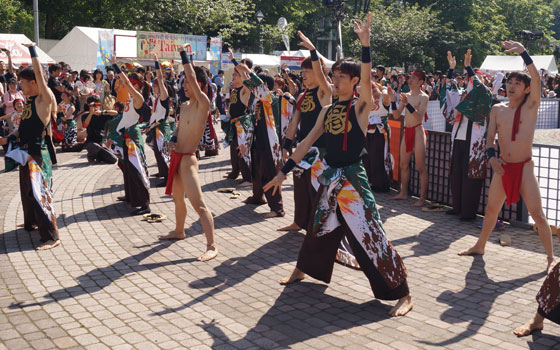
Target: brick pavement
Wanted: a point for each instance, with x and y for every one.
(112, 285)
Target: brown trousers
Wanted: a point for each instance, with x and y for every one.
(465, 191)
(304, 197)
(374, 162)
(32, 212)
(135, 191)
(264, 171)
(238, 164)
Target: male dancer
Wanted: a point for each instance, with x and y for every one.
(346, 206)
(416, 103)
(318, 93)
(35, 172)
(514, 122)
(183, 169)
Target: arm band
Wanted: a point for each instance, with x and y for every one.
(287, 144)
(450, 73)
(173, 139)
(490, 152)
(314, 55)
(386, 107)
(33, 51)
(235, 63)
(157, 65)
(394, 105)
(525, 55)
(410, 108)
(290, 164)
(185, 59)
(470, 71)
(366, 54)
(117, 68)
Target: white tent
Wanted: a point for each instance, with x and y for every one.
(265, 61)
(306, 53)
(80, 46)
(20, 54)
(504, 64)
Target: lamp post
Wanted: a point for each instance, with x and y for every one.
(260, 17)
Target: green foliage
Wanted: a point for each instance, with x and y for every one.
(15, 19)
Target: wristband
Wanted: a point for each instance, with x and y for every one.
(235, 63)
(450, 73)
(173, 138)
(287, 144)
(185, 59)
(117, 68)
(410, 108)
(157, 65)
(314, 55)
(470, 71)
(366, 54)
(33, 51)
(525, 55)
(490, 152)
(386, 107)
(394, 105)
(290, 164)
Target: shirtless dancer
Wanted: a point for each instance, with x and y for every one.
(416, 103)
(183, 169)
(318, 93)
(514, 122)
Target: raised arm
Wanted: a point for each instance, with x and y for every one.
(44, 90)
(10, 65)
(138, 99)
(452, 64)
(317, 68)
(365, 101)
(535, 94)
(163, 95)
(190, 76)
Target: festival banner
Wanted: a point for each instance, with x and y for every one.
(106, 47)
(167, 45)
(215, 55)
(293, 62)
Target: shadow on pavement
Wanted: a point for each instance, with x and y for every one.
(479, 295)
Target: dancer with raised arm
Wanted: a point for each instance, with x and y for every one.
(346, 207)
(514, 121)
(183, 168)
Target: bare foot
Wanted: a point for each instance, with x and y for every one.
(296, 276)
(49, 245)
(245, 184)
(33, 227)
(535, 324)
(173, 235)
(472, 251)
(403, 306)
(272, 214)
(419, 203)
(292, 227)
(211, 253)
(400, 196)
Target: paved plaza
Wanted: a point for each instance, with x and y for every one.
(113, 285)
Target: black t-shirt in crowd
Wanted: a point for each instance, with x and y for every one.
(53, 83)
(96, 127)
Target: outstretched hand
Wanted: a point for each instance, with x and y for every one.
(451, 60)
(305, 42)
(185, 47)
(404, 98)
(275, 183)
(363, 30)
(29, 44)
(497, 165)
(468, 58)
(513, 46)
(391, 93)
(230, 53)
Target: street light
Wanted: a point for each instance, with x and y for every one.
(260, 17)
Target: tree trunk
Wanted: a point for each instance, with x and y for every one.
(49, 24)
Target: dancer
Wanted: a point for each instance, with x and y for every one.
(318, 93)
(514, 122)
(159, 130)
(137, 184)
(183, 168)
(346, 207)
(468, 161)
(379, 162)
(35, 172)
(416, 103)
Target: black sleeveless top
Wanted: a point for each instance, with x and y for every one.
(236, 107)
(335, 121)
(309, 111)
(31, 128)
(145, 112)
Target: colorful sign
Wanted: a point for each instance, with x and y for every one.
(167, 45)
(106, 47)
(293, 62)
(17, 51)
(215, 55)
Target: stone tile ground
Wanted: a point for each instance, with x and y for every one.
(112, 285)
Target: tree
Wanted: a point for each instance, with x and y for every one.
(16, 19)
